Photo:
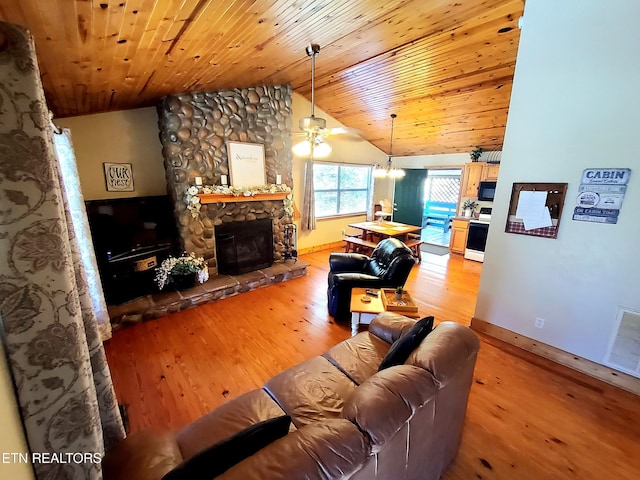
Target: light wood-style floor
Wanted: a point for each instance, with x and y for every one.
(527, 418)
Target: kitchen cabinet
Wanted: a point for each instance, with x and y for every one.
(459, 232)
(490, 172)
(472, 177)
(476, 172)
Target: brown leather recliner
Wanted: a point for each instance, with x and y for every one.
(348, 419)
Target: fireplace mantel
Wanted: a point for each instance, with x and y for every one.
(229, 198)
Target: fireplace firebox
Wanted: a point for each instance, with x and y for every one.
(244, 246)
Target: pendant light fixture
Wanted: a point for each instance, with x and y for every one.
(389, 171)
(313, 146)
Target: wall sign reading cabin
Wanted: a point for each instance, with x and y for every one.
(118, 177)
(600, 194)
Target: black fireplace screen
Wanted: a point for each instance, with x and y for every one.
(244, 246)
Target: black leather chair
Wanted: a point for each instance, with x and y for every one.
(388, 267)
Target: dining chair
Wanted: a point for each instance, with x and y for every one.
(386, 210)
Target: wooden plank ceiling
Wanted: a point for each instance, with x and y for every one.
(444, 66)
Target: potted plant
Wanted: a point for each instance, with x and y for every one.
(182, 272)
(476, 153)
(468, 207)
(398, 293)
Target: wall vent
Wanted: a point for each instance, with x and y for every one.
(624, 347)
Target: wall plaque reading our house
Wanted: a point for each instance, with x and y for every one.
(118, 177)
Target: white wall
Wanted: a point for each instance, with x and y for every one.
(344, 151)
(12, 437)
(127, 136)
(574, 105)
(424, 161)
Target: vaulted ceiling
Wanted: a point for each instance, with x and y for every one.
(445, 67)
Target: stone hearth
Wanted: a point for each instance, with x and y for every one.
(218, 287)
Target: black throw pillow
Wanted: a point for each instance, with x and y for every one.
(402, 347)
(221, 456)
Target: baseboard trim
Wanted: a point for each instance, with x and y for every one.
(588, 367)
(317, 248)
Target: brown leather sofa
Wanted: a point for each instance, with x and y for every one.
(348, 419)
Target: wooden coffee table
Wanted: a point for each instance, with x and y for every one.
(362, 312)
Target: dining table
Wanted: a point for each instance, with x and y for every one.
(386, 229)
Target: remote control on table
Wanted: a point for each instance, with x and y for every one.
(371, 293)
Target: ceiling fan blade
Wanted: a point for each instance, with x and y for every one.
(344, 131)
(336, 132)
(344, 138)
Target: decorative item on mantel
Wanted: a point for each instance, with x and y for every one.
(182, 272)
(194, 202)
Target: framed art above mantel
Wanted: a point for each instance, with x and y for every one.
(246, 164)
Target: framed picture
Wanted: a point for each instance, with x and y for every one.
(535, 209)
(118, 177)
(246, 164)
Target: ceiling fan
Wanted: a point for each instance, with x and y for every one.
(315, 128)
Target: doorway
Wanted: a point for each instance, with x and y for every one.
(428, 198)
(408, 197)
(441, 194)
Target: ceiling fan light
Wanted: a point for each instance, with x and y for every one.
(321, 149)
(396, 173)
(391, 172)
(379, 172)
(302, 149)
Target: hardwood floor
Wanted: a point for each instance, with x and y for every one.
(527, 418)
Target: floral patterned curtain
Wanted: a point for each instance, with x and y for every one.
(53, 345)
(78, 223)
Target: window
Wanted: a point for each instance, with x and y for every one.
(340, 189)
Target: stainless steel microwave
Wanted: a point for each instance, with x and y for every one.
(486, 191)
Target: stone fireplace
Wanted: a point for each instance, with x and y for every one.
(194, 131)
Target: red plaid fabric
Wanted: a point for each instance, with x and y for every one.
(517, 227)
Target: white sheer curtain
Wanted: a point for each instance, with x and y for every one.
(371, 202)
(70, 182)
(308, 220)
